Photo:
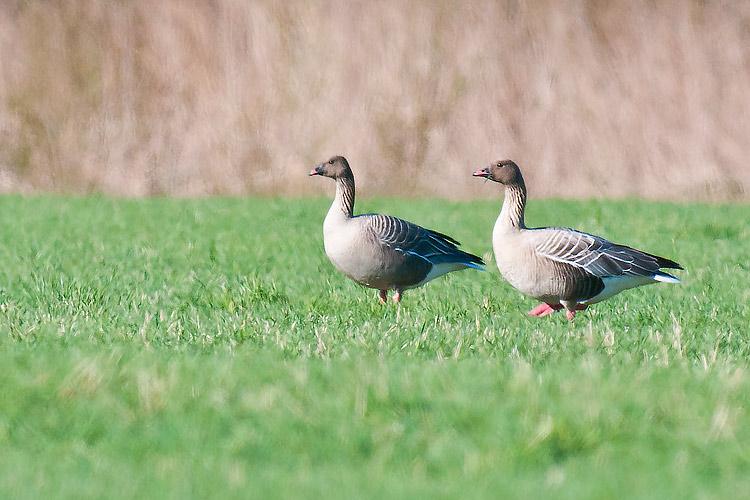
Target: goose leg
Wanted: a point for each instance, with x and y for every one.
(570, 310)
(551, 309)
(538, 309)
(544, 309)
(397, 296)
(383, 296)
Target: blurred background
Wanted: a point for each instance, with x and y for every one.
(197, 97)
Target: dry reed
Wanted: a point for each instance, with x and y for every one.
(195, 97)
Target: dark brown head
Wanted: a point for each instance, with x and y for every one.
(335, 168)
(505, 172)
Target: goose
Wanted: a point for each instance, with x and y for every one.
(380, 251)
(562, 267)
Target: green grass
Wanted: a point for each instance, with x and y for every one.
(194, 348)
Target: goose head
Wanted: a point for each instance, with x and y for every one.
(504, 171)
(336, 168)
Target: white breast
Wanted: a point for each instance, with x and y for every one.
(345, 246)
(338, 236)
(507, 248)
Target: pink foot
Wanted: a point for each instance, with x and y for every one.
(383, 296)
(570, 315)
(540, 309)
(397, 296)
(544, 309)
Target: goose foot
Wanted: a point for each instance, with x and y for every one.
(383, 296)
(570, 314)
(544, 309)
(397, 296)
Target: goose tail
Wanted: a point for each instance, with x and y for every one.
(666, 277)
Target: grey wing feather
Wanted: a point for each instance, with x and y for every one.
(598, 256)
(412, 239)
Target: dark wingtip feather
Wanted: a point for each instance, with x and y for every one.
(667, 263)
(662, 261)
(445, 237)
(474, 259)
(470, 257)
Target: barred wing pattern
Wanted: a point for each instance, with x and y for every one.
(598, 256)
(411, 239)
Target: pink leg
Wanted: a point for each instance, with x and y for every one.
(553, 308)
(383, 296)
(570, 314)
(540, 309)
(397, 296)
(544, 309)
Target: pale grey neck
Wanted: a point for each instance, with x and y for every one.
(511, 215)
(344, 200)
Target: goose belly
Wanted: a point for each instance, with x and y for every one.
(352, 258)
(518, 266)
(521, 277)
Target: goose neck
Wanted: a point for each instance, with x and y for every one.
(344, 200)
(514, 205)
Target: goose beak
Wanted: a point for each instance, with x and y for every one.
(482, 172)
(315, 171)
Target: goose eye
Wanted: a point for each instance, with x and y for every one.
(330, 162)
(499, 164)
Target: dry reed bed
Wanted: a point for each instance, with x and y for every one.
(189, 97)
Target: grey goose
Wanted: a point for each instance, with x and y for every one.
(380, 251)
(562, 267)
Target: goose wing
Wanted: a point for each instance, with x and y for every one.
(599, 257)
(410, 239)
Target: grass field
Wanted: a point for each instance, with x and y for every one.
(174, 348)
